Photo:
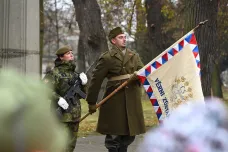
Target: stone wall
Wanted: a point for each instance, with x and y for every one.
(19, 35)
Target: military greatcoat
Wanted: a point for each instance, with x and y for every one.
(122, 114)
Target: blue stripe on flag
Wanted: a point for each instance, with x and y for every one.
(147, 73)
(159, 115)
(150, 94)
(154, 65)
(180, 47)
(171, 52)
(197, 61)
(164, 60)
(146, 82)
(188, 38)
(196, 49)
(156, 103)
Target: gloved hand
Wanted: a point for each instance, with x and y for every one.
(84, 78)
(92, 108)
(62, 103)
(134, 76)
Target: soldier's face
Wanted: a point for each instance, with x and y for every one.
(69, 56)
(120, 41)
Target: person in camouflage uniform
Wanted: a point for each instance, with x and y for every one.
(61, 78)
(27, 125)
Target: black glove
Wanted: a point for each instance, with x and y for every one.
(92, 108)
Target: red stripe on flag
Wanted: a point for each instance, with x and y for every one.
(159, 110)
(157, 64)
(193, 40)
(182, 43)
(150, 89)
(142, 79)
(198, 65)
(195, 54)
(153, 101)
(165, 56)
(148, 69)
(174, 51)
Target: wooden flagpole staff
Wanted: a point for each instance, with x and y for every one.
(110, 95)
(200, 24)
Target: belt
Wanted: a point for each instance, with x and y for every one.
(120, 77)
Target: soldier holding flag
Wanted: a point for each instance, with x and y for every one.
(121, 117)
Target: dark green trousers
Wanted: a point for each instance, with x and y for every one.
(118, 143)
(72, 128)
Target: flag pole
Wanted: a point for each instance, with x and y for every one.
(200, 24)
(110, 95)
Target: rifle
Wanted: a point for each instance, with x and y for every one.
(72, 94)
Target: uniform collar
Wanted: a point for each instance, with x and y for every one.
(115, 51)
(65, 64)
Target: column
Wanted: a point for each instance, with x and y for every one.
(19, 35)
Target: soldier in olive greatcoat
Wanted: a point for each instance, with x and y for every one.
(121, 116)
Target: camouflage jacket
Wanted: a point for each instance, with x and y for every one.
(60, 78)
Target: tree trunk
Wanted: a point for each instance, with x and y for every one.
(216, 81)
(154, 25)
(57, 25)
(92, 38)
(141, 38)
(197, 11)
(41, 34)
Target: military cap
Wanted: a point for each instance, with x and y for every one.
(114, 32)
(27, 123)
(63, 50)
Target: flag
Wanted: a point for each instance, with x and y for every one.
(173, 77)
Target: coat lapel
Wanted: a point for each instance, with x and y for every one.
(128, 56)
(116, 53)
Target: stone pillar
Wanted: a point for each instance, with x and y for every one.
(19, 35)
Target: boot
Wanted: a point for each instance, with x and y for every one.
(112, 150)
(123, 149)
